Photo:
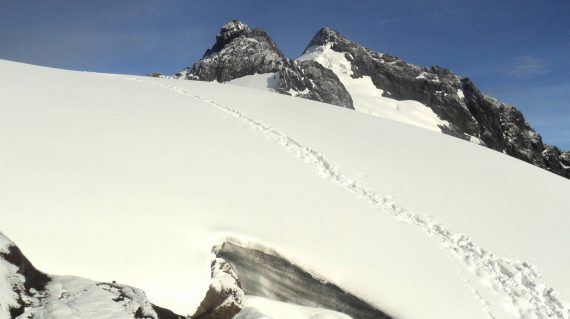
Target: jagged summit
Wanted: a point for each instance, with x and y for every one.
(238, 51)
(228, 32)
(242, 51)
(324, 36)
(234, 29)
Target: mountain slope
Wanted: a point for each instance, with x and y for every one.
(134, 179)
(456, 100)
(381, 85)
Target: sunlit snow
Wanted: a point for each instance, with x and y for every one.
(134, 179)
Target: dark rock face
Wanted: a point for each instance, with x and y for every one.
(163, 313)
(270, 276)
(241, 51)
(499, 126)
(224, 298)
(312, 81)
(238, 51)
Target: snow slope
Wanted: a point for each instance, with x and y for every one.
(134, 179)
(257, 307)
(266, 82)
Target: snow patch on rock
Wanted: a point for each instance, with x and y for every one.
(369, 99)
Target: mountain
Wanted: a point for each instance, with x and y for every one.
(241, 51)
(335, 70)
(215, 200)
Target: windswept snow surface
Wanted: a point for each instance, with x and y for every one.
(135, 179)
(367, 98)
(258, 307)
(266, 82)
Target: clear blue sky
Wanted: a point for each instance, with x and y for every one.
(515, 50)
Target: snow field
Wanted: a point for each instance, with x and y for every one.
(163, 173)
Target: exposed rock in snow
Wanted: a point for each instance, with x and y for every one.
(238, 51)
(224, 298)
(310, 80)
(273, 277)
(20, 281)
(26, 292)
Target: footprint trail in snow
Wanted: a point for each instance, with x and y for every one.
(517, 280)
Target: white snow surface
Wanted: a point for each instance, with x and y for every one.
(258, 307)
(134, 179)
(460, 94)
(265, 81)
(367, 98)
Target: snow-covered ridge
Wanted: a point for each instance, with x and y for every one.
(367, 98)
(165, 165)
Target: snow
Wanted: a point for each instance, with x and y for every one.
(5, 243)
(134, 179)
(475, 140)
(367, 98)
(266, 82)
(258, 307)
(8, 280)
(460, 94)
(73, 297)
(298, 93)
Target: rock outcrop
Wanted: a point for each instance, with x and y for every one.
(26, 292)
(240, 51)
(453, 98)
(274, 277)
(224, 298)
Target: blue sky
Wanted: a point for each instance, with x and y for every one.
(515, 50)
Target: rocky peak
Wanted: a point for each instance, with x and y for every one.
(232, 27)
(324, 36)
(229, 31)
(237, 52)
(241, 51)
